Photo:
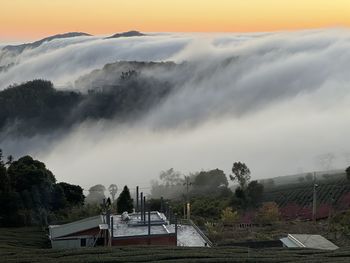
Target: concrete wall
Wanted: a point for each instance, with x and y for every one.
(155, 240)
(65, 244)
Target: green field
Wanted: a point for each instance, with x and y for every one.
(30, 245)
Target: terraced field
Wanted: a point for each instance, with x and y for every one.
(295, 201)
(32, 249)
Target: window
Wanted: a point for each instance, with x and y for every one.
(83, 242)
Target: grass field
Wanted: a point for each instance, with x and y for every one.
(30, 245)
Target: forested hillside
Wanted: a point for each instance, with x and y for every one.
(122, 92)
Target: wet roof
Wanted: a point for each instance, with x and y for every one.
(135, 226)
(187, 235)
(308, 241)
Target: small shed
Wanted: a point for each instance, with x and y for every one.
(308, 241)
(82, 233)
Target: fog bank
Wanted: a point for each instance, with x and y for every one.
(275, 101)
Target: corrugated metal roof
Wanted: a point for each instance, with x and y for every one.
(77, 226)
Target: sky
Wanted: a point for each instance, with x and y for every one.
(31, 19)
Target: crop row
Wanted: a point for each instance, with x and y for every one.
(297, 201)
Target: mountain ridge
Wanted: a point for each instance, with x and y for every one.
(20, 48)
(131, 33)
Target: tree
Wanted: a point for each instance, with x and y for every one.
(26, 172)
(4, 181)
(268, 213)
(28, 193)
(340, 223)
(35, 106)
(348, 173)
(254, 193)
(73, 194)
(1, 156)
(33, 176)
(155, 204)
(169, 186)
(96, 194)
(59, 200)
(170, 177)
(208, 206)
(212, 181)
(229, 217)
(124, 201)
(27, 190)
(113, 189)
(241, 174)
(9, 160)
(239, 199)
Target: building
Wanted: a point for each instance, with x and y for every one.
(83, 233)
(138, 229)
(143, 227)
(151, 228)
(308, 241)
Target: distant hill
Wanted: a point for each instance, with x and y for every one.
(20, 48)
(121, 91)
(110, 74)
(132, 33)
(294, 196)
(303, 177)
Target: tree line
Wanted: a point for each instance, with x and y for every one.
(36, 107)
(209, 191)
(29, 193)
(124, 202)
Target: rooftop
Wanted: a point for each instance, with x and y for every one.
(308, 241)
(187, 235)
(76, 226)
(135, 226)
(129, 225)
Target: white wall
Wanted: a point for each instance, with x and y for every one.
(64, 244)
(70, 243)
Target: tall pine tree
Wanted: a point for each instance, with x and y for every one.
(124, 201)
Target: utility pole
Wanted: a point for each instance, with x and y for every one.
(137, 199)
(314, 199)
(188, 205)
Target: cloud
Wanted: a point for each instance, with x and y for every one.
(272, 100)
(64, 60)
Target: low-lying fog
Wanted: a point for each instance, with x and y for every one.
(275, 101)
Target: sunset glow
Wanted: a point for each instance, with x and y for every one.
(38, 18)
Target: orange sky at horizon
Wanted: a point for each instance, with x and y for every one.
(31, 19)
